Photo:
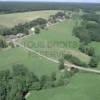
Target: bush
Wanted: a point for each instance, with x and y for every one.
(87, 50)
(93, 62)
(35, 86)
(53, 76)
(3, 43)
(61, 64)
(37, 30)
(47, 82)
(75, 60)
(12, 44)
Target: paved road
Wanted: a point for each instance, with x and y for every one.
(56, 61)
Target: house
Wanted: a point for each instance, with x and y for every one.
(33, 29)
(11, 37)
(19, 35)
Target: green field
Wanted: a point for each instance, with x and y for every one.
(33, 62)
(55, 36)
(56, 33)
(9, 20)
(61, 32)
(83, 86)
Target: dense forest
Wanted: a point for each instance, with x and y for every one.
(11, 7)
(89, 30)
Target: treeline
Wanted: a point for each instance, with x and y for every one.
(3, 43)
(39, 23)
(87, 50)
(93, 63)
(74, 60)
(89, 29)
(23, 28)
(12, 7)
(15, 84)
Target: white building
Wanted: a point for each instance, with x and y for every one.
(20, 35)
(32, 31)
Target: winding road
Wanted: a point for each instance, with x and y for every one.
(56, 61)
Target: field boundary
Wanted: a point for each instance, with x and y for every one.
(56, 61)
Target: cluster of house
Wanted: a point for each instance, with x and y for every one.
(58, 19)
(32, 30)
(12, 37)
(19, 35)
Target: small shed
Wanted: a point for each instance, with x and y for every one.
(32, 30)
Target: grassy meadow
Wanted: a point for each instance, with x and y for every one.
(58, 33)
(33, 62)
(58, 39)
(83, 86)
(10, 20)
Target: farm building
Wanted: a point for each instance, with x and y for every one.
(32, 30)
(20, 35)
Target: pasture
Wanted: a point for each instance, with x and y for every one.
(10, 20)
(33, 62)
(56, 39)
(60, 39)
(60, 33)
(83, 86)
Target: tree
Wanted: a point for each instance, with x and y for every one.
(3, 43)
(23, 80)
(60, 15)
(35, 86)
(53, 76)
(90, 51)
(67, 74)
(82, 34)
(5, 76)
(12, 44)
(43, 80)
(2, 91)
(19, 69)
(93, 62)
(52, 19)
(74, 60)
(61, 64)
(60, 81)
(37, 30)
(41, 21)
(87, 50)
(89, 28)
